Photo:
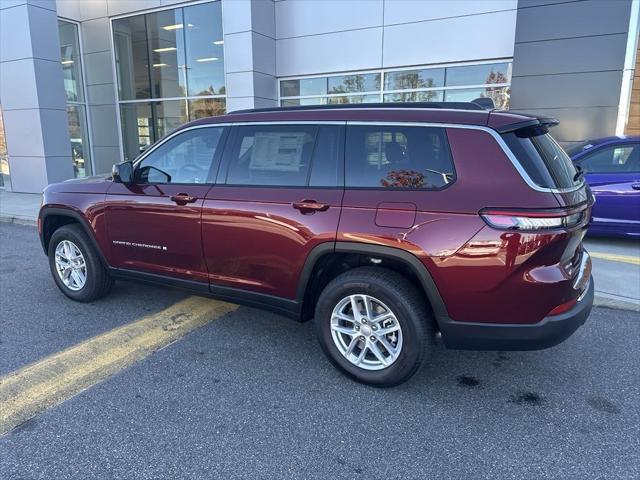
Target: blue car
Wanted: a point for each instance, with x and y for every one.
(611, 167)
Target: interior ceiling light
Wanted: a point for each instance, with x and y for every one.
(176, 26)
(207, 59)
(165, 49)
(219, 42)
(158, 65)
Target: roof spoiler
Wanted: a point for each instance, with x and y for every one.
(548, 122)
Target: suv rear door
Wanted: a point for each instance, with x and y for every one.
(394, 175)
(278, 195)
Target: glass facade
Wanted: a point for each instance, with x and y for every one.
(460, 83)
(170, 69)
(71, 59)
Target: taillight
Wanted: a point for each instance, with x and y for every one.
(532, 219)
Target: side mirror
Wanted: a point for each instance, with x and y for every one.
(122, 172)
(149, 174)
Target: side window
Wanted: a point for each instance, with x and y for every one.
(398, 157)
(185, 158)
(271, 155)
(619, 159)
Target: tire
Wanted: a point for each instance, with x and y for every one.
(388, 290)
(97, 280)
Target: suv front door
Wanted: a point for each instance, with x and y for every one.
(154, 223)
(278, 195)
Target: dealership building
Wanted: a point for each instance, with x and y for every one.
(85, 84)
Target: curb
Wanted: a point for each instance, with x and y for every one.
(604, 300)
(18, 220)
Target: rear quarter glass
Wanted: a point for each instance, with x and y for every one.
(546, 162)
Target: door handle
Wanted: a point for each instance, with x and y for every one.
(635, 186)
(310, 206)
(182, 198)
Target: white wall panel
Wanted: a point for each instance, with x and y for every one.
(22, 94)
(264, 54)
(15, 37)
(28, 174)
(95, 35)
(51, 92)
(46, 131)
(44, 27)
(238, 55)
(456, 39)
(332, 52)
(265, 86)
(103, 119)
(404, 11)
(68, 9)
(58, 169)
(239, 103)
(263, 19)
(101, 94)
(98, 68)
(55, 134)
(92, 9)
(301, 18)
(119, 7)
(236, 16)
(239, 84)
(105, 157)
(20, 125)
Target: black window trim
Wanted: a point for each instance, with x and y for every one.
(373, 123)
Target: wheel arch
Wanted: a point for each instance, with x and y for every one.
(328, 256)
(51, 219)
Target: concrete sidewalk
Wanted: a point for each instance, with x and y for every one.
(616, 262)
(21, 208)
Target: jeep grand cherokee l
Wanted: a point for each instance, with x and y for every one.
(385, 224)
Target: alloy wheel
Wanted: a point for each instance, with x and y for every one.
(70, 265)
(366, 332)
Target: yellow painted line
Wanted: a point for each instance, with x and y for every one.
(54, 379)
(616, 258)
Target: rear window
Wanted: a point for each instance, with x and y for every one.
(546, 162)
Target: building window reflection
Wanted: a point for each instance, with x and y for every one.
(456, 83)
(71, 60)
(170, 69)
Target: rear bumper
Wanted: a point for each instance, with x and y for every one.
(548, 332)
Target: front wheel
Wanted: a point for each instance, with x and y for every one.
(374, 325)
(76, 266)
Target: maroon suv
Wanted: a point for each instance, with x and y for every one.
(384, 223)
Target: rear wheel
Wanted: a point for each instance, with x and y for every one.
(76, 266)
(374, 325)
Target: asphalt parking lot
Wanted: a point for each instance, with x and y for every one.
(250, 395)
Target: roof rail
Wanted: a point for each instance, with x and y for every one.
(481, 105)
